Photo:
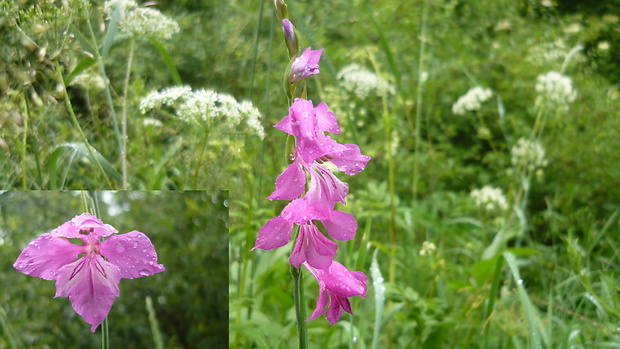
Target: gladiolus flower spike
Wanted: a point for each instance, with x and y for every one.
(90, 282)
(314, 202)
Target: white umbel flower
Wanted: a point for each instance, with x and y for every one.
(472, 100)
(141, 21)
(555, 90)
(490, 198)
(205, 105)
(529, 155)
(363, 83)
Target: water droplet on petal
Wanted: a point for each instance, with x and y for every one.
(135, 244)
(120, 246)
(144, 272)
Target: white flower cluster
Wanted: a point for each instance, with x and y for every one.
(428, 248)
(363, 82)
(490, 198)
(555, 90)
(529, 155)
(140, 21)
(548, 53)
(472, 100)
(204, 105)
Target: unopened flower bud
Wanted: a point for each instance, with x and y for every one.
(290, 36)
(281, 9)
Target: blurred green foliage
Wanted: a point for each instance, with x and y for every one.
(190, 233)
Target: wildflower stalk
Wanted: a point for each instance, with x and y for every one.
(300, 309)
(24, 148)
(77, 124)
(108, 93)
(124, 115)
(105, 335)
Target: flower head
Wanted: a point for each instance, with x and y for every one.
(90, 282)
(305, 65)
(472, 100)
(336, 285)
(555, 90)
(490, 198)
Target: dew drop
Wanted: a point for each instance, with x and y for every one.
(144, 272)
(520, 281)
(120, 246)
(151, 263)
(135, 244)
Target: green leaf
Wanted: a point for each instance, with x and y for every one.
(379, 288)
(529, 310)
(80, 67)
(169, 63)
(80, 149)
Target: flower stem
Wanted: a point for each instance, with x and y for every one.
(105, 336)
(124, 116)
(300, 310)
(77, 124)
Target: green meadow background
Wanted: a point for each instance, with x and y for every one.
(445, 271)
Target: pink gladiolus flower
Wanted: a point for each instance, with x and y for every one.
(91, 282)
(336, 285)
(305, 65)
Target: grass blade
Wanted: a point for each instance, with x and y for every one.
(168, 60)
(377, 284)
(81, 149)
(526, 304)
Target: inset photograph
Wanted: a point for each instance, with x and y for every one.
(130, 269)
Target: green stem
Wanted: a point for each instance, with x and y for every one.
(24, 151)
(300, 309)
(108, 93)
(105, 335)
(124, 116)
(77, 124)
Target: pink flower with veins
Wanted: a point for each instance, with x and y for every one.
(90, 282)
(305, 65)
(336, 285)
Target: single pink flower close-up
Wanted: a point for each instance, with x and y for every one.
(305, 65)
(91, 282)
(336, 285)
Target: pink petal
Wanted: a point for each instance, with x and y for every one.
(290, 184)
(133, 253)
(83, 226)
(334, 311)
(45, 255)
(275, 233)
(312, 246)
(333, 188)
(300, 121)
(326, 120)
(300, 212)
(339, 280)
(321, 302)
(91, 284)
(305, 65)
(350, 161)
(342, 226)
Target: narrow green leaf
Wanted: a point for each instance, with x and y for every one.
(379, 288)
(110, 34)
(80, 67)
(86, 45)
(526, 304)
(169, 63)
(81, 149)
(386, 47)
